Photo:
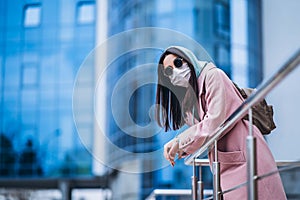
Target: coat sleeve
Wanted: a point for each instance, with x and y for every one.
(221, 100)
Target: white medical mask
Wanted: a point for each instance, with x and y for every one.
(181, 76)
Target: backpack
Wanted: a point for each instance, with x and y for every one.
(262, 113)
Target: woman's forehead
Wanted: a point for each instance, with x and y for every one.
(169, 59)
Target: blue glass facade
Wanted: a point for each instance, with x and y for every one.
(42, 45)
(255, 69)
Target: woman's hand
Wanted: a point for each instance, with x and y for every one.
(171, 149)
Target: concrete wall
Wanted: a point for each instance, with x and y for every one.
(281, 39)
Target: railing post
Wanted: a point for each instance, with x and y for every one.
(251, 162)
(194, 182)
(200, 185)
(65, 189)
(216, 175)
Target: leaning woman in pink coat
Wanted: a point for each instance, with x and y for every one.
(200, 95)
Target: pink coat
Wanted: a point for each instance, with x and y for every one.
(218, 100)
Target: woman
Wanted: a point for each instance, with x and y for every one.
(200, 95)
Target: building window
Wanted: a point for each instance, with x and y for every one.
(29, 75)
(32, 15)
(166, 7)
(222, 54)
(222, 19)
(85, 12)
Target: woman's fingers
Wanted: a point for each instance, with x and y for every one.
(167, 148)
(170, 151)
(180, 154)
(173, 150)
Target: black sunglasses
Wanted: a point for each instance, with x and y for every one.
(168, 71)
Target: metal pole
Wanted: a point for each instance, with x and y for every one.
(200, 184)
(65, 189)
(194, 182)
(251, 161)
(216, 175)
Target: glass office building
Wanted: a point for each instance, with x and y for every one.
(42, 45)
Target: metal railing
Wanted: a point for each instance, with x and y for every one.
(174, 192)
(283, 164)
(279, 163)
(240, 112)
(208, 193)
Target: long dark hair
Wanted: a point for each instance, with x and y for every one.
(173, 100)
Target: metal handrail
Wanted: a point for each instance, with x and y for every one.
(173, 192)
(241, 111)
(280, 163)
(209, 192)
(284, 164)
